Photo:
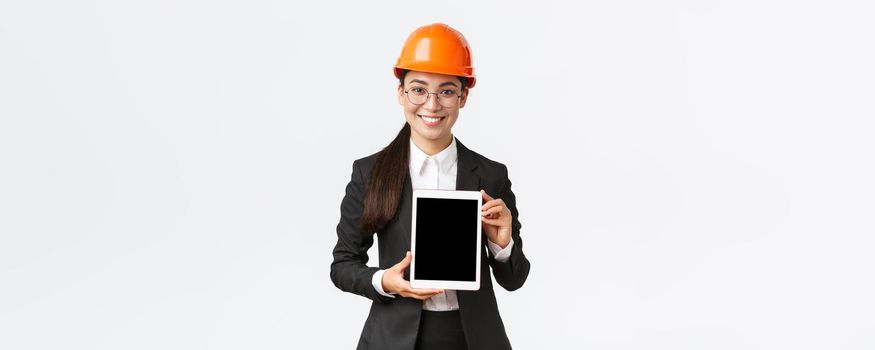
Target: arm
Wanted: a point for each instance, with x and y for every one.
(512, 273)
(349, 270)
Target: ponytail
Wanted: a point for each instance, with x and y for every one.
(388, 177)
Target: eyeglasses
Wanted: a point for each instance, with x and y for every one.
(448, 98)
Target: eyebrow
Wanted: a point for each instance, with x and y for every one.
(424, 83)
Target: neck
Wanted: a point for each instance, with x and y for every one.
(431, 147)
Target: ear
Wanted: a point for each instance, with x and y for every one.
(464, 98)
(400, 95)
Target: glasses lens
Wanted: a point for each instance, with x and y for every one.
(448, 98)
(417, 96)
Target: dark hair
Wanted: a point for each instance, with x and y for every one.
(388, 177)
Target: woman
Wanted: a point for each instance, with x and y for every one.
(435, 76)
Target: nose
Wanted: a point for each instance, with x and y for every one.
(432, 104)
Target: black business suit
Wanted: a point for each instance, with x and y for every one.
(393, 322)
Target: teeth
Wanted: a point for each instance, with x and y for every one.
(430, 120)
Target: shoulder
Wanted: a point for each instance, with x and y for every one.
(361, 167)
(483, 165)
(366, 162)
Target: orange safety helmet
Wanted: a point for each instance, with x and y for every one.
(437, 48)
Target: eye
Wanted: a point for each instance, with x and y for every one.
(449, 93)
(417, 91)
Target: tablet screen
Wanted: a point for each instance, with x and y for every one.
(446, 239)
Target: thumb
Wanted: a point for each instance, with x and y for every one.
(401, 265)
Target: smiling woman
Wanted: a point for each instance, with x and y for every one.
(435, 77)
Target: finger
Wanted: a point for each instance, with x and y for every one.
(494, 222)
(407, 288)
(425, 291)
(416, 296)
(486, 196)
(422, 294)
(401, 265)
(494, 210)
(491, 204)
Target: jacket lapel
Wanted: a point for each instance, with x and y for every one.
(466, 178)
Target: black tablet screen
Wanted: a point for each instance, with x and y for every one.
(446, 239)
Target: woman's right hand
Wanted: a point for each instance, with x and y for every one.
(394, 282)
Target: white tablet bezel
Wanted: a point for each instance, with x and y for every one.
(447, 194)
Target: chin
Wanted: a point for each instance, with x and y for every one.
(429, 134)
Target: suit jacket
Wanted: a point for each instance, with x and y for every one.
(393, 322)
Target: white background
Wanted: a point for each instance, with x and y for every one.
(690, 174)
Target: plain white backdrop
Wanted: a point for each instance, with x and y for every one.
(690, 174)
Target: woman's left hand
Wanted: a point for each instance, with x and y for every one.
(497, 220)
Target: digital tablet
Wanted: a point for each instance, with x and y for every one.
(446, 239)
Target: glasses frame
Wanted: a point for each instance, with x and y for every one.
(436, 96)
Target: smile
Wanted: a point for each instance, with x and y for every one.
(431, 121)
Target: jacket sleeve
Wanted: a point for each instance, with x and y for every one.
(349, 270)
(511, 274)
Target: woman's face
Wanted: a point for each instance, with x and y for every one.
(432, 121)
